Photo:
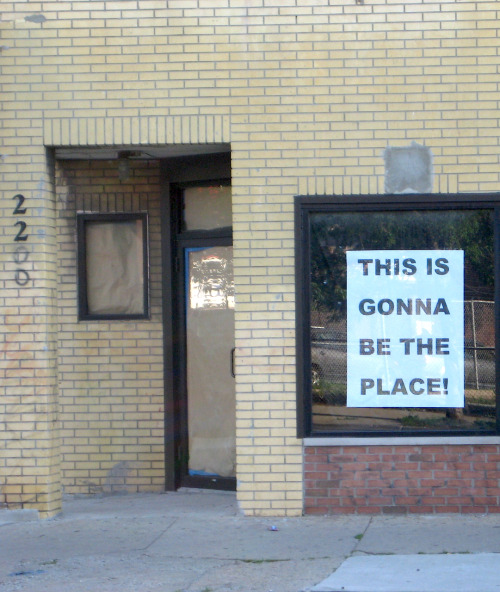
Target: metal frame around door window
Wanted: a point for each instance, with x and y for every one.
(185, 479)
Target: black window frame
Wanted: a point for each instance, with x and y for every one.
(305, 205)
(82, 219)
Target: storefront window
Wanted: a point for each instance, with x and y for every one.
(397, 333)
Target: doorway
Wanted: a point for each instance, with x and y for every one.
(200, 421)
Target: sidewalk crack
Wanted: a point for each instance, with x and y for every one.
(158, 537)
(361, 536)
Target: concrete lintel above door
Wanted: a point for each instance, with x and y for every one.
(137, 152)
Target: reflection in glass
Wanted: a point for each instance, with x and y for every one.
(332, 234)
(211, 281)
(210, 341)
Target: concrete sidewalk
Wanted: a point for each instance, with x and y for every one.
(193, 541)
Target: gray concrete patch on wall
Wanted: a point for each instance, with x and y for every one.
(408, 169)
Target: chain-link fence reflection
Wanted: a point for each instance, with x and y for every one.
(329, 357)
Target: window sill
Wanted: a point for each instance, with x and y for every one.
(402, 441)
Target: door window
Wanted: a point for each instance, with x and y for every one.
(210, 343)
(207, 207)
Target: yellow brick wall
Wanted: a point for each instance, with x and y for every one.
(308, 92)
(111, 408)
(29, 437)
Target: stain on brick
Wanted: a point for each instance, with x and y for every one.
(35, 18)
(116, 479)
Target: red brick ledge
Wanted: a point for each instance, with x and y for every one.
(402, 477)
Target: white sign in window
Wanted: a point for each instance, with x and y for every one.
(405, 328)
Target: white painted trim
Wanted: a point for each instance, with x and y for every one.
(403, 441)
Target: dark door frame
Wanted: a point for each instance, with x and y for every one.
(173, 173)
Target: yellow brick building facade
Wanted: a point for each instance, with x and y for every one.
(304, 95)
